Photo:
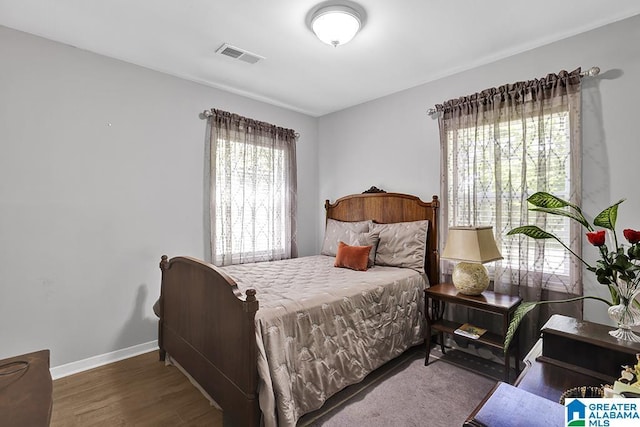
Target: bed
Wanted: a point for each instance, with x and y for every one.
(245, 355)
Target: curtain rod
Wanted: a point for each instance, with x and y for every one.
(593, 71)
(207, 113)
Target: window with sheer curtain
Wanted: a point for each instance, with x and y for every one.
(499, 147)
(252, 190)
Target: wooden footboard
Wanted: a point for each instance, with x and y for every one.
(208, 327)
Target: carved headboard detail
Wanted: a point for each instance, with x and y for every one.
(373, 189)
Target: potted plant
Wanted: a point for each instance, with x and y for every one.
(617, 268)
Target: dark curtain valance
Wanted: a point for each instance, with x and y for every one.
(225, 119)
(515, 93)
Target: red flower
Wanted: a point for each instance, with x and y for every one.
(632, 236)
(596, 238)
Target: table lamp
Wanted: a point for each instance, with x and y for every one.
(472, 246)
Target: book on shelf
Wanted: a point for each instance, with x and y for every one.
(470, 331)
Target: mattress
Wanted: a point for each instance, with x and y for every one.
(320, 328)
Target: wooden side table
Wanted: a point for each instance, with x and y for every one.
(571, 353)
(594, 358)
(502, 305)
(26, 390)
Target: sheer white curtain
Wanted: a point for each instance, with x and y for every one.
(498, 147)
(252, 190)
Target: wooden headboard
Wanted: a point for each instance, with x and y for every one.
(385, 208)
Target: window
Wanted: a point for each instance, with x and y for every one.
(500, 146)
(495, 169)
(252, 190)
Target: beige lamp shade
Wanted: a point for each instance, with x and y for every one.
(472, 246)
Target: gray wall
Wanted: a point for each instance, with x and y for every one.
(392, 143)
(101, 172)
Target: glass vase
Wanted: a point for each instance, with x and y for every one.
(626, 314)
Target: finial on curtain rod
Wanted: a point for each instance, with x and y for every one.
(206, 114)
(591, 72)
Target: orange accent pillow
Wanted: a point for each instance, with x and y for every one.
(353, 257)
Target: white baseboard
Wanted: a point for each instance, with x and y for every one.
(102, 359)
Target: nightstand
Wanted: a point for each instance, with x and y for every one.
(501, 305)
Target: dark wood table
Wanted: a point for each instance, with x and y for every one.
(574, 353)
(571, 353)
(26, 390)
(502, 305)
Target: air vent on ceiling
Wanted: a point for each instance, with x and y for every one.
(237, 53)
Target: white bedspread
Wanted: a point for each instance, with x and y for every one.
(321, 328)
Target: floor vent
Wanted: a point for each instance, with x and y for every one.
(240, 54)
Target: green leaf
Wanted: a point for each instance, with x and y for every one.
(543, 199)
(615, 298)
(622, 263)
(634, 252)
(527, 306)
(561, 212)
(518, 315)
(604, 280)
(607, 218)
(532, 231)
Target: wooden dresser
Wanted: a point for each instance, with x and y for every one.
(574, 353)
(571, 353)
(26, 390)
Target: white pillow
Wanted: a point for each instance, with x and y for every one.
(339, 230)
(402, 244)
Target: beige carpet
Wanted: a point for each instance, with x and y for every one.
(404, 392)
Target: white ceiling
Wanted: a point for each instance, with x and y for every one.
(404, 43)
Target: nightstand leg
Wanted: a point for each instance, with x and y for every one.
(517, 355)
(507, 358)
(507, 352)
(428, 337)
(428, 343)
(438, 309)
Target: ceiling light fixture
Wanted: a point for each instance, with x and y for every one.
(336, 23)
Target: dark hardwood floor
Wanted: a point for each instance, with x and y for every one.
(139, 391)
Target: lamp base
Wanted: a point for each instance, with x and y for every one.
(470, 278)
